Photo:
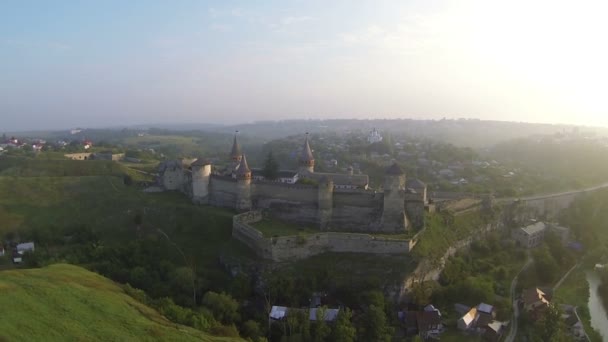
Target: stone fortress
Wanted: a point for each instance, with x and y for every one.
(331, 201)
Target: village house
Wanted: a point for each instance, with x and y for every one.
(426, 323)
(25, 247)
(480, 320)
(534, 300)
(530, 236)
(279, 313)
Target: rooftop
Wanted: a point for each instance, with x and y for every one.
(534, 228)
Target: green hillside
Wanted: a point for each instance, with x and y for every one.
(68, 303)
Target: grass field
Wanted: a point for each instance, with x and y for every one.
(68, 303)
(270, 227)
(39, 206)
(45, 166)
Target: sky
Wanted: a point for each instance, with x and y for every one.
(113, 63)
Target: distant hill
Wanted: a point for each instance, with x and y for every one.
(68, 303)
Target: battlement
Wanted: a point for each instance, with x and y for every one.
(296, 247)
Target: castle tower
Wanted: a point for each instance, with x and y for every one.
(307, 161)
(243, 186)
(325, 201)
(201, 173)
(236, 154)
(394, 219)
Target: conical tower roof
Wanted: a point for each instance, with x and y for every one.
(306, 152)
(236, 149)
(394, 170)
(243, 168)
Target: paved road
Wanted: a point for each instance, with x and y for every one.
(579, 319)
(513, 329)
(559, 283)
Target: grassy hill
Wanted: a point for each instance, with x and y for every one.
(68, 303)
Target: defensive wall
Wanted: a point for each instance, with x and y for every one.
(296, 247)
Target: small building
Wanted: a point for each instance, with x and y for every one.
(279, 313)
(494, 331)
(530, 236)
(374, 137)
(283, 176)
(467, 321)
(429, 323)
(17, 257)
(534, 300)
(486, 314)
(2, 252)
(25, 247)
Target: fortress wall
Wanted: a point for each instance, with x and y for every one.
(365, 243)
(292, 203)
(222, 192)
(351, 218)
(551, 206)
(251, 237)
(357, 199)
(285, 192)
(303, 246)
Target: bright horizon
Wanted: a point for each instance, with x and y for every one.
(98, 64)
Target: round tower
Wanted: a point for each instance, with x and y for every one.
(325, 200)
(243, 186)
(394, 219)
(307, 161)
(201, 173)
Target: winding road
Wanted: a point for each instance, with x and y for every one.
(513, 329)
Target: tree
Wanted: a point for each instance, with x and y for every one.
(320, 330)
(271, 167)
(551, 326)
(223, 306)
(373, 325)
(344, 331)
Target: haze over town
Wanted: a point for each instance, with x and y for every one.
(100, 64)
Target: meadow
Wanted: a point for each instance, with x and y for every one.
(65, 302)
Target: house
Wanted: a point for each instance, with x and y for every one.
(446, 173)
(429, 323)
(467, 321)
(485, 314)
(534, 300)
(330, 314)
(283, 176)
(25, 247)
(461, 308)
(530, 236)
(279, 313)
(494, 331)
(477, 318)
(409, 321)
(17, 258)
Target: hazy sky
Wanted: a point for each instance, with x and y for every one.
(108, 63)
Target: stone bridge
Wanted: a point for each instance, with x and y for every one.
(549, 205)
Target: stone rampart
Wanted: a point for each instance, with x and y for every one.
(296, 247)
